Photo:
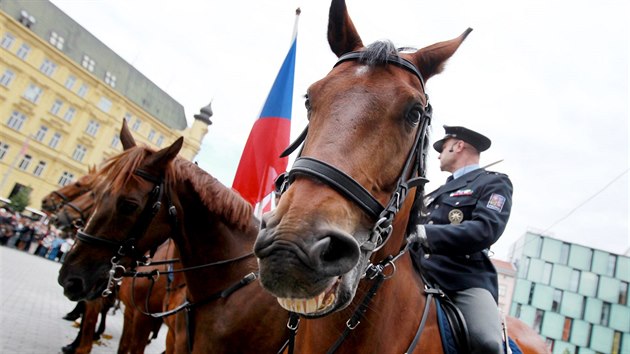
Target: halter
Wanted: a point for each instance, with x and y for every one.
(350, 188)
(128, 247)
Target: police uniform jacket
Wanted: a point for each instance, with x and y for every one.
(463, 218)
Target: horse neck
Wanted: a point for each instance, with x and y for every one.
(204, 238)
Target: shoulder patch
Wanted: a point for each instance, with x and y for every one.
(496, 202)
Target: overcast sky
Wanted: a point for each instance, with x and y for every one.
(547, 81)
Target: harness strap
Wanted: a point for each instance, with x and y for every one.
(340, 181)
(391, 59)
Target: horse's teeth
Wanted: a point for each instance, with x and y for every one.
(306, 306)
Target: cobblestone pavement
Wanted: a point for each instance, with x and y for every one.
(32, 305)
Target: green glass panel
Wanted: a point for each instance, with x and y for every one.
(528, 314)
(588, 284)
(600, 262)
(560, 347)
(572, 305)
(593, 310)
(536, 270)
(532, 245)
(620, 318)
(561, 277)
(580, 333)
(552, 325)
(625, 343)
(608, 289)
(602, 338)
(551, 250)
(543, 297)
(580, 257)
(521, 291)
(623, 268)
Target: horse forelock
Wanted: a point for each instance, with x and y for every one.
(219, 199)
(378, 53)
(119, 170)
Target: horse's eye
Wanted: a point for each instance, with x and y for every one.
(127, 207)
(307, 102)
(414, 115)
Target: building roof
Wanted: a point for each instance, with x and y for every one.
(504, 267)
(79, 42)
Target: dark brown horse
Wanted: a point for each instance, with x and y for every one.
(55, 200)
(334, 250)
(147, 196)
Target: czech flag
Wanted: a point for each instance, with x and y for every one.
(260, 162)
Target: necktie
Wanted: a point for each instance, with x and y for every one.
(450, 178)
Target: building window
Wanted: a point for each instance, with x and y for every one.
(566, 329)
(41, 133)
(32, 93)
(83, 90)
(56, 107)
(136, 125)
(517, 311)
(16, 120)
(546, 276)
(557, 300)
(110, 79)
(6, 78)
(127, 117)
(115, 141)
(88, 63)
(26, 161)
(23, 51)
(39, 168)
(70, 82)
(564, 253)
(610, 267)
(3, 150)
(532, 289)
(7, 41)
(616, 346)
(160, 141)
(48, 67)
(92, 128)
(538, 320)
(26, 19)
(54, 141)
(623, 293)
(79, 153)
(69, 114)
(151, 135)
(605, 314)
(56, 40)
(574, 282)
(104, 104)
(66, 178)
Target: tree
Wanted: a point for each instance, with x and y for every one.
(20, 200)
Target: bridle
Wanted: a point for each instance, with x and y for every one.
(413, 173)
(83, 213)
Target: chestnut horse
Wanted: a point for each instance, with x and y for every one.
(334, 249)
(144, 198)
(55, 200)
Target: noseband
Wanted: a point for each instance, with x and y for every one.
(350, 188)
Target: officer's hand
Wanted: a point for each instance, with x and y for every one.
(418, 238)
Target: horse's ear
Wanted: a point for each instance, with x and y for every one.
(430, 60)
(126, 138)
(164, 156)
(342, 35)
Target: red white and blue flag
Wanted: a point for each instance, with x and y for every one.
(260, 162)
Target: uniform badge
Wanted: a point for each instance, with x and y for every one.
(455, 216)
(461, 193)
(496, 202)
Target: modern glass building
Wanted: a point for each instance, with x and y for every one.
(574, 296)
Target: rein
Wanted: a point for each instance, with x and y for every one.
(413, 175)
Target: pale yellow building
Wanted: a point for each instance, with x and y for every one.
(63, 95)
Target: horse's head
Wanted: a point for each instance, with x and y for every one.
(75, 213)
(367, 121)
(127, 220)
(55, 200)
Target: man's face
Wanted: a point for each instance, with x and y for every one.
(448, 155)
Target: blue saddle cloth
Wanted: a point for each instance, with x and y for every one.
(448, 343)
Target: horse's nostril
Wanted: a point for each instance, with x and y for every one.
(73, 285)
(336, 253)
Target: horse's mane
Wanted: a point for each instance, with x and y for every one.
(378, 53)
(220, 200)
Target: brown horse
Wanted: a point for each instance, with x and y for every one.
(55, 200)
(147, 196)
(335, 250)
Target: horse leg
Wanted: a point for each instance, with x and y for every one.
(127, 332)
(92, 309)
(72, 347)
(142, 327)
(76, 312)
(101, 327)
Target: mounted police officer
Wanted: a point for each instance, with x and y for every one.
(462, 219)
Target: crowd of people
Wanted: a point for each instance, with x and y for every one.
(35, 237)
